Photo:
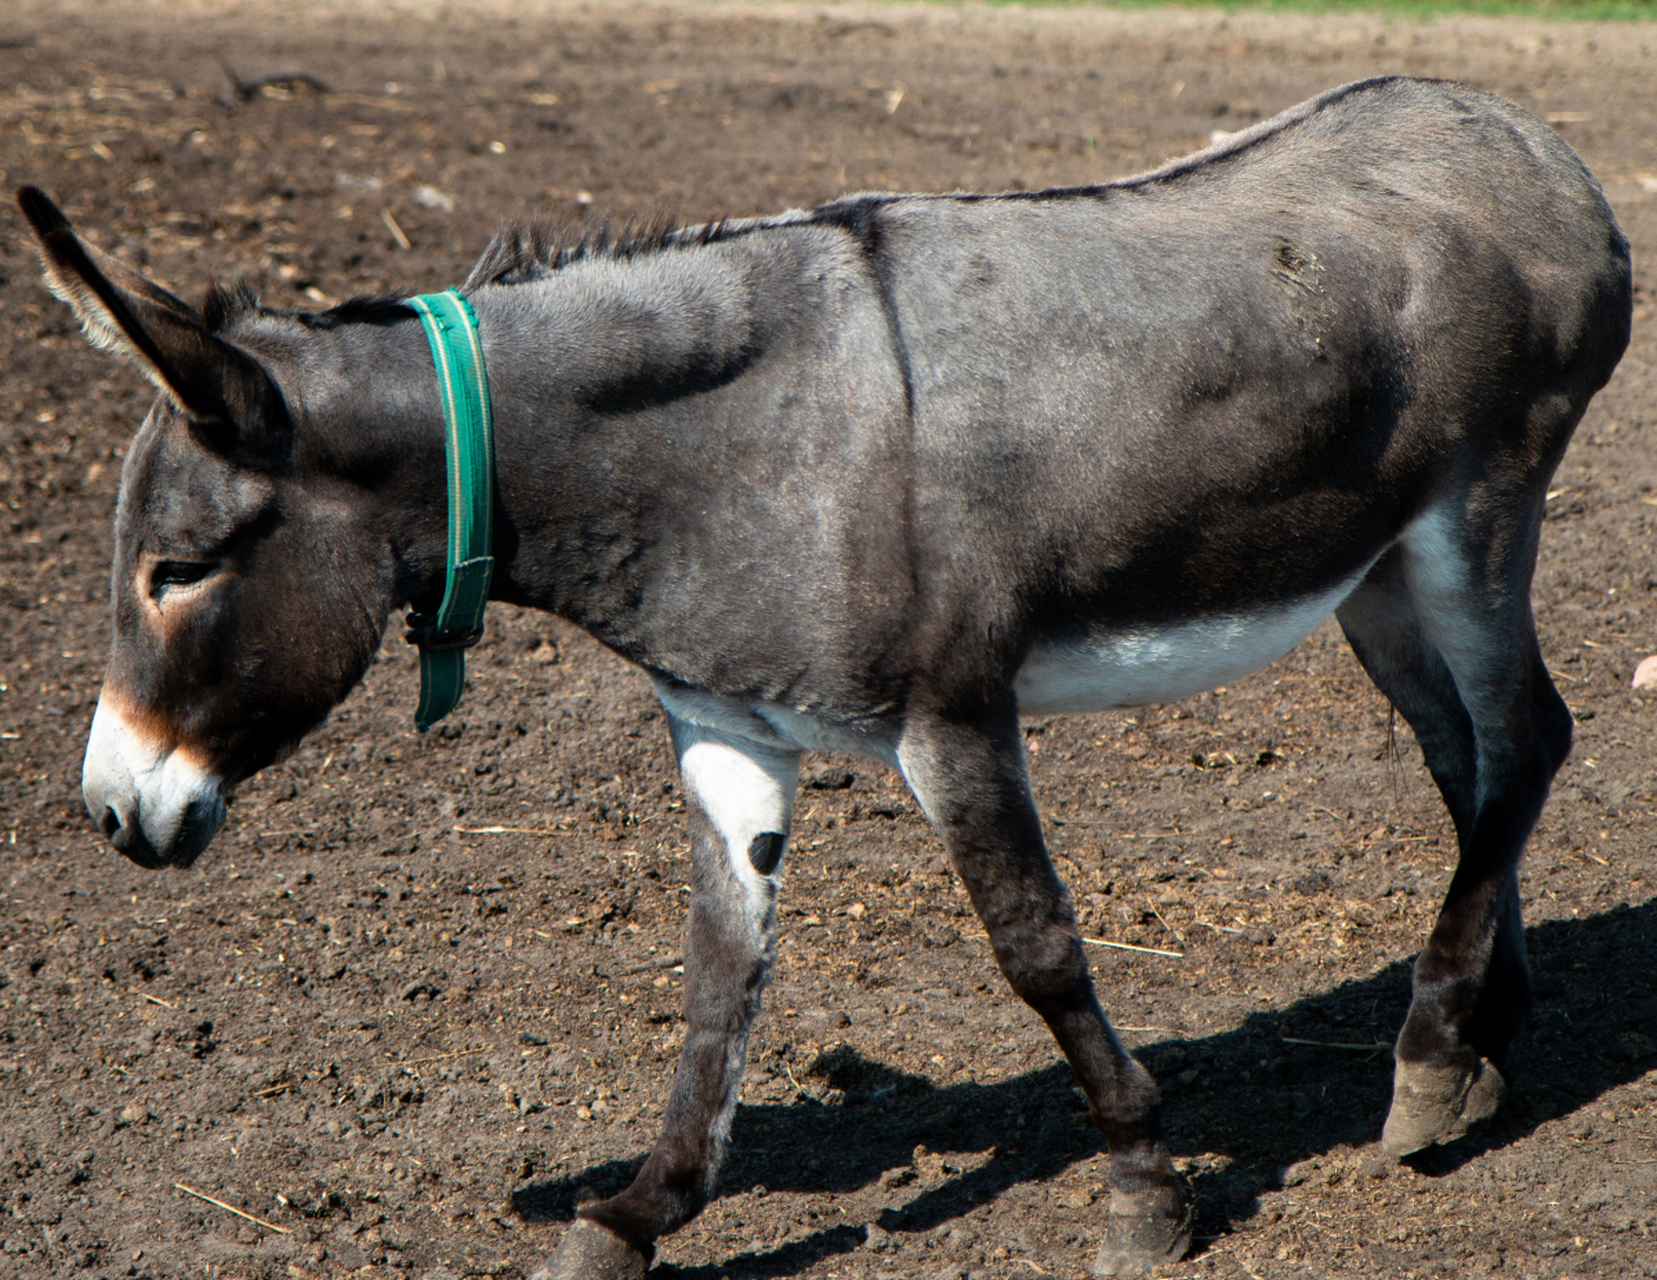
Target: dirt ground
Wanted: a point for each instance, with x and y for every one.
(421, 996)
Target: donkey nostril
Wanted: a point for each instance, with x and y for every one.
(110, 823)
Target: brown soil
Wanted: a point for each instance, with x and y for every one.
(413, 1040)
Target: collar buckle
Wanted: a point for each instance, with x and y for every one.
(421, 629)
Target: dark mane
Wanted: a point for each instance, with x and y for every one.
(530, 248)
(224, 304)
(360, 310)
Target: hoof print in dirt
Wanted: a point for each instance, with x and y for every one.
(591, 1252)
(1439, 1104)
(1146, 1229)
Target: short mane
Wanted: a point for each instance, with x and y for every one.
(225, 304)
(531, 248)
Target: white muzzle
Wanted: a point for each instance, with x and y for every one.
(153, 802)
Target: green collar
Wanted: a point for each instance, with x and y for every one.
(452, 330)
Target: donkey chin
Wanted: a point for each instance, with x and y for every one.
(153, 802)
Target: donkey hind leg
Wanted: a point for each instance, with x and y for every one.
(739, 798)
(970, 779)
(1460, 662)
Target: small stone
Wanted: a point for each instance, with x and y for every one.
(429, 197)
(135, 1113)
(878, 1238)
(1377, 1167)
(1297, 1173)
(1645, 675)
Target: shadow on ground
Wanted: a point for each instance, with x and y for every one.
(1248, 1094)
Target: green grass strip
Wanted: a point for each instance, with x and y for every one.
(1563, 10)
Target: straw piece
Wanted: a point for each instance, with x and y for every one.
(1331, 1044)
(516, 831)
(230, 1208)
(396, 231)
(1128, 946)
(442, 1057)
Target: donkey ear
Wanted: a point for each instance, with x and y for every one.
(228, 396)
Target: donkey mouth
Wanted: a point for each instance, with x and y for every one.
(130, 840)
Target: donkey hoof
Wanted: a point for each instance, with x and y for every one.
(591, 1252)
(1439, 1104)
(1146, 1228)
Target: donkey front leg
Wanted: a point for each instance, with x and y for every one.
(739, 798)
(970, 779)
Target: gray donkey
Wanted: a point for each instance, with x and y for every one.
(881, 475)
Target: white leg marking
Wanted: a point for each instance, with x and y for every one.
(1441, 587)
(746, 788)
(1477, 641)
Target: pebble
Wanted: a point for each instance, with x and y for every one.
(1645, 675)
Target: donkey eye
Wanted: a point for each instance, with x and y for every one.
(179, 573)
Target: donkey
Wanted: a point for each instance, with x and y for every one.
(882, 475)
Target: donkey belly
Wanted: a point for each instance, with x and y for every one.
(1132, 666)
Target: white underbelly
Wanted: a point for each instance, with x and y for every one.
(1133, 666)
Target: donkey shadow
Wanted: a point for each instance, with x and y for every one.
(1252, 1095)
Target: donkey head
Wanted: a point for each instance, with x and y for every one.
(248, 596)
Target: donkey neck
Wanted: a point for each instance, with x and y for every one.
(640, 406)
(689, 444)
